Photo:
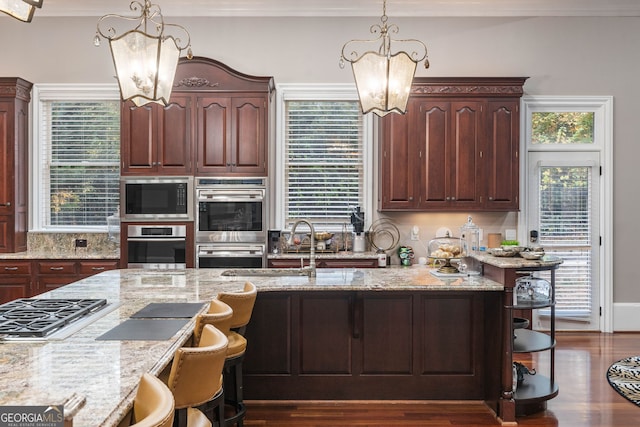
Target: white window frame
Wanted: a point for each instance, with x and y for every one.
(317, 92)
(56, 92)
(602, 107)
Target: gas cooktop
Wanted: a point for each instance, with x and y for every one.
(30, 317)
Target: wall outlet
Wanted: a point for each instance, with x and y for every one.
(81, 243)
(415, 233)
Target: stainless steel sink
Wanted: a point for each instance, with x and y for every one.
(267, 272)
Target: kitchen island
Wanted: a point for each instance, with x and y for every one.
(96, 379)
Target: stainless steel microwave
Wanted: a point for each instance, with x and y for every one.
(156, 198)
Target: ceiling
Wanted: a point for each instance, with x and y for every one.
(395, 8)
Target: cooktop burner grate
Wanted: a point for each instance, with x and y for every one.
(29, 317)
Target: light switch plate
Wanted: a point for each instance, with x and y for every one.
(510, 234)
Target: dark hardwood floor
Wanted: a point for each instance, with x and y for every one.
(585, 399)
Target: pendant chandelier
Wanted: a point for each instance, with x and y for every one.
(383, 75)
(145, 56)
(20, 9)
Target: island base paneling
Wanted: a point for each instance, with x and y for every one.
(342, 345)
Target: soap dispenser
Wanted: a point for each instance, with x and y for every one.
(113, 226)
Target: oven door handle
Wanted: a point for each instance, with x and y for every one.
(204, 253)
(234, 196)
(159, 239)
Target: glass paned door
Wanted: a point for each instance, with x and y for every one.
(563, 198)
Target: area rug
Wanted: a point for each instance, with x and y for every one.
(624, 377)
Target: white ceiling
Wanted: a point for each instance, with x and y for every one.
(395, 8)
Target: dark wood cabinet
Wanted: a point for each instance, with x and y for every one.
(456, 149)
(502, 155)
(450, 142)
(89, 268)
(157, 140)
(400, 168)
(27, 278)
(373, 345)
(215, 124)
(232, 135)
(15, 280)
(15, 95)
(323, 262)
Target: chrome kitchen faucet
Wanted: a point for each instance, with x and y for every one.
(312, 254)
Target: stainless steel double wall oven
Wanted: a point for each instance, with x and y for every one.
(231, 226)
(228, 215)
(155, 210)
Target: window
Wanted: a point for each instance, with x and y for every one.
(324, 151)
(76, 162)
(571, 127)
(568, 185)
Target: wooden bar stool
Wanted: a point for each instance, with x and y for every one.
(153, 405)
(242, 305)
(195, 379)
(219, 315)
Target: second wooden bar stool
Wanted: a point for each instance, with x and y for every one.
(242, 305)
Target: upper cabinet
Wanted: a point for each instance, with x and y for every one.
(232, 135)
(15, 95)
(215, 124)
(456, 149)
(156, 139)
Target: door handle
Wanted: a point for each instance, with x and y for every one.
(8, 204)
(355, 317)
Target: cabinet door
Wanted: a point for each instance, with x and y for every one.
(214, 134)
(13, 175)
(249, 136)
(138, 131)
(174, 137)
(502, 174)
(387, 334)
(15, 280)
(56, 267)
(465, 150)
(288, 263)
(6, 233)
(348, 263)
(399, 163)
(89, 268)
(46, 283)
(14, 287)
(6, 158)
(326, 322)
(433, 135)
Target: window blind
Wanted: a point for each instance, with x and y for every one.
(81, 162)
(324, 171)
(565, 231)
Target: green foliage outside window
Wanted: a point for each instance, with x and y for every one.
(562, 128)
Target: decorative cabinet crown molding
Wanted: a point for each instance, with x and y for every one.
(469, 86)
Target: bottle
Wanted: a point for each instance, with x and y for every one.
(358, 242)
(382, 258)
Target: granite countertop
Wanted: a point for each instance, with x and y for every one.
(518, 262)
(80, 253)
(96, 380)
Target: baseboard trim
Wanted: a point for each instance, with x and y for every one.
(625, 317)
